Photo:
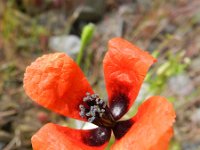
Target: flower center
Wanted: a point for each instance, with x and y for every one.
(96, 111)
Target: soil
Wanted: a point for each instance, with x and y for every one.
(167, 26)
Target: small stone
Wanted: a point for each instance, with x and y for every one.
(114, 26)
(188, 145)
(69, 44)
(181, 84)
(196, 116)
(195, 65)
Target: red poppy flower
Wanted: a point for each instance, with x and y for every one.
(57, 83)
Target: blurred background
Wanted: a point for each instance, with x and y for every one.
(168, 29)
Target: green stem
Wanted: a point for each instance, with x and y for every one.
(86, 37)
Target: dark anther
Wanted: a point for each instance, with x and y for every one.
(96, 110)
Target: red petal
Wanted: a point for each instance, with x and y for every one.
(152, 129)
(55, 137)
(163, 142)
(57, 83)
(125, 67)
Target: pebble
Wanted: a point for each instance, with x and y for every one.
(191, 146)
(69, 44)
(181, 84)
(195, 65)
(196, 116)
(114, 26)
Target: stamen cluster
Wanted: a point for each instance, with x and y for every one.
(94, 108)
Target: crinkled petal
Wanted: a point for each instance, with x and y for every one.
(125, 67)
(55, 137)
(152, 127)
(163, 142)
(56, 82)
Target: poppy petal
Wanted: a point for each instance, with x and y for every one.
(52, 137)
(163, 142)
(152, 124)
(125, 67)
(56, 82)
